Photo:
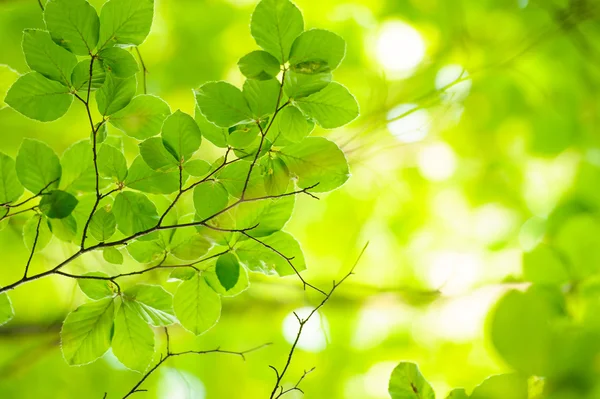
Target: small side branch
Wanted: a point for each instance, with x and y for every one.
(35, 240)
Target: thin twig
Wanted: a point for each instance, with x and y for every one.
(35, 240)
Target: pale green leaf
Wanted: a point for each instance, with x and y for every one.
(234, 175)
(222, 104)
(134, 212)
(262, 96)
(266, 216)
(10, 186)
(197, 168)
(213, 133)
(115, 94)
(316, 160)
(318, 45)
(57, 204)
(146, 251)
(112, 163)
(125, 22)
(289, 126)
(141, 177)
(331, 107)
(152, 303)
(133, 342)
(156, 155)
(241, 285)
(257, 257)
(276, 175)
(112, 255)
(95, 288)
(210, 198)
(407, 382)
(458, 393)
(6, 309)
(46, 57)
(38, 167)
(80, 76)
(275, 25)
(119, 62)
(579, 240)
(142, 118)
(103, 225)
(73, 24)
(259, 65)
(242, 136)
(78, 172)
(502, 386)
(64, 229)
(197, 306)
(305, 79)
(87, 332)
(186, 243)
(181, 135)
(38, 97)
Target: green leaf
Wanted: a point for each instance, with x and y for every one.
(259, 65)
(528, 348)
(213, 133)
(262, 96)
(262, 259)
(146, 251)
(275, 25)
(115, 94)
(119, 62)
(290, 126)
(95, 288)
(112, 163)
(142, 118)
(181, 135)
(38, 167)
(103, 225)
(210, 197)
(156, 155)
(276, 175)
(57, 204)
(87, 332)
(6, 309)
(152, 303)
(8, 76)
(234, 175)
(458, 393)
(407, 382)
(266, 216)
(316, 160)
(73, 24)
(502, 386)
(64, 229)
(133, 343)
(141, 177)
(305, 79)
(38, 97)
(10, 186)
(241, 136)
(197, 167)
(80, 76)
(46, 57)
(542, 265)
(331, 107)
(125, 22)
(579, 240)
(228, 270)
(222, 104)
(182, 273)
(112, 255)
(197, 306)
(30, 231)
(241, 285)
(134, 212)
(78, 172)
(187, 244)
(318, 45)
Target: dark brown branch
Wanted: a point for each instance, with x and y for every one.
(302, 322)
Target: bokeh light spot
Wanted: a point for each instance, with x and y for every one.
(400, 48)
(437, 161)
(410, 128)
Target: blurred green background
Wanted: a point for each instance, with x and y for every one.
(478, 130)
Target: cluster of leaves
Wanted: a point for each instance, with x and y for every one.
(209, 223)
(547, 333)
